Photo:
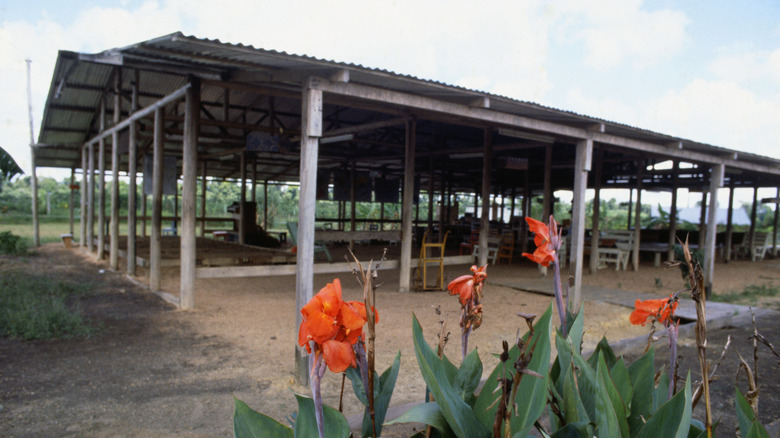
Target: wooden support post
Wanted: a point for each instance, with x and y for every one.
(189, 194)
(155, 251)
(430, 197)
(547, 198)
(729, 224)
(311, 130)
(71, 199)
(352, 207)
(670, 255)
(595, 225)
(83, 192)
(132, 172)
(144, 210)
(102, 184)
(716, 182)
(406, 208)
(582, 165)
(753, 214)
(254, 181)
(113, 254)
(638, 214)
(265, 205)
(242, 225)
(484, 220)
(33, 166)
(203, 191)
(702, 219)
(526, 211)
(774, 226)
(630, 208)
(91, 199)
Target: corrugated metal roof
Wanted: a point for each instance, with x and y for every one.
(79, 81)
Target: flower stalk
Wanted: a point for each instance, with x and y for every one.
(548, 242)
(469, 289)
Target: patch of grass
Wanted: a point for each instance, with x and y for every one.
(33, 306)
(750, 295)
(12, 244)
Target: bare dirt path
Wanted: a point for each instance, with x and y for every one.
(151, 370)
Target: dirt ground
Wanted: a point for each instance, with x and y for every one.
(151, 370)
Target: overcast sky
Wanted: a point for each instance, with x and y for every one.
(708, 71)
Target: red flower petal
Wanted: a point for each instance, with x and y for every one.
(338, 355)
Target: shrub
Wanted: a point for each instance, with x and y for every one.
(12, 244)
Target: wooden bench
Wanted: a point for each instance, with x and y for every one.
(615, 246)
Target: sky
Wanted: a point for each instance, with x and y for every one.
(707, 71)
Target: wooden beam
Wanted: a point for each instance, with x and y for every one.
(670, 255)
(91, 198)
(484, 221)
(83, 191)
(582, 162)
(102, 184)
(319, 268)
(155, 249)
(113, 251)
(188, 195)
(311, 130)
(406, 208)
(595, 231)
(716, 182)
(132, 172)
(637, 214)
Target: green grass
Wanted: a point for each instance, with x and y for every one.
(33, 306)
(750, 295)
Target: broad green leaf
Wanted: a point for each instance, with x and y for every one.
(661, 392)
(306, 423)
(458, 414)
(698, 429)
(611, 394)
(619, 376)
(485, 406)
(357, 384)
(573, 409)
(532, 392)
(673, 418)
(426, 413)
(587, 385)
(383, 391)
(576, 331)
(248, 423)
(641, 373)
(449, 369)
(757, 431)
(746, 417)
(574, 430)
(563, 361)
(604, 348)
(468, 376)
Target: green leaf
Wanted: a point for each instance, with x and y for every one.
(661, 392)
(604, 348)
(468, 376)
(248, 423)
(587, 384)
(449, 369)
(611, 394)
(426, 413)
(757, 431)
(383, 391)
(531, 396)
(576, 331)
(697, 429)
(563, 361)
(641, 373)
(673, 418)
(574, 430)
(357, 384)
(458, 414)
(306, 423)
(573, 409)
(622, 381)
(746, 416)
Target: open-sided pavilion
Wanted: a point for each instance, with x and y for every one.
(231, 111)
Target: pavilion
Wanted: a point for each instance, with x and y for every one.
(190, 108)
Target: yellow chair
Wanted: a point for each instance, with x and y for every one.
(430, 254)
(506, 248)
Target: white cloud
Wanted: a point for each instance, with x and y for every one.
(744, 65)
(616, 31)
(721, 113)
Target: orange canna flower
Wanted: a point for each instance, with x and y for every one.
(333, 325)
(544, 253)
(661, 309)
(464, 285)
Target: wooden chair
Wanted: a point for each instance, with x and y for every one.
(492, 250)
(506, 247)
(430, 254)
(618, 250)
(320, 247)
(470, 243)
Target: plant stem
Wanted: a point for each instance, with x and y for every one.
(316, 395)
(559, 295)
(673, 330)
